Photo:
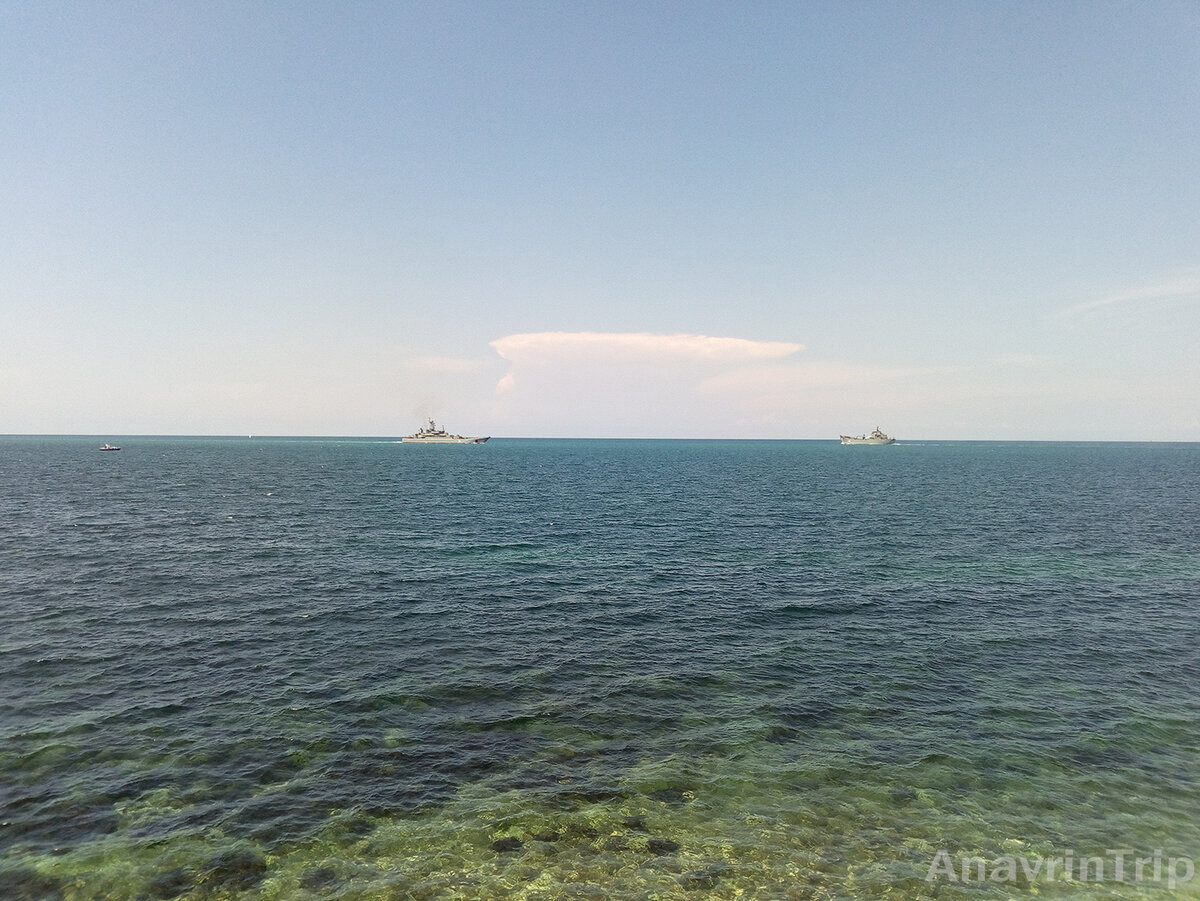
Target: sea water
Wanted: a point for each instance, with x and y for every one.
(355, 669)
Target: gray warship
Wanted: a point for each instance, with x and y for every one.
(876, 437)
(433, 435)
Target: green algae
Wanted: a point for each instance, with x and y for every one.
(679, 828)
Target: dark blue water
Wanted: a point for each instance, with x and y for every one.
(629, 669)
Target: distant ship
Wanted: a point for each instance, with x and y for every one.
(109, 447)
(876, 437)
(434, 435)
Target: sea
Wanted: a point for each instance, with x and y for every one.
(598, 669)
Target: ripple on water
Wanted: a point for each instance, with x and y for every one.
(670, 670)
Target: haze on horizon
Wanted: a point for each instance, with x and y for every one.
(953, 220)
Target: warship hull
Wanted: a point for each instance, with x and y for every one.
(454, 439)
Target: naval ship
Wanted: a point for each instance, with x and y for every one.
(876, 437)
(433, 435)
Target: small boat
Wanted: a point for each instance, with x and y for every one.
(876, 437)
(109, 447)
(434, 435)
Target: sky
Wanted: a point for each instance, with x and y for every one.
(953, 220)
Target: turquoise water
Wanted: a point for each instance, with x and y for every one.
(241, 668)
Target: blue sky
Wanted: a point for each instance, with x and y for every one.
(780, 220)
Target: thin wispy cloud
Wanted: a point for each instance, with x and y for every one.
(1184, 285)
(1021, 361)
(788, 378)
(444, 364)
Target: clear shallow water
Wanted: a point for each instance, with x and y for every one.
(575, 669)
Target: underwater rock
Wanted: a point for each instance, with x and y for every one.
(704, 879)
(782, 735)
(583, 829)
(234, 870)
(170, 883)
(273, 818)
(547, 836)
(672, 795)
(591, 795)
(27, 884)
(636, 824)
(505, 845)
(661, 846)
(353, 827)
(319, 878)
(66, 821)
(194, 818)
(807, 715)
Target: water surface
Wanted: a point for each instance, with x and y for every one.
(356, 669)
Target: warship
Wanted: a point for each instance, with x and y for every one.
(876, 437)
(433, 435)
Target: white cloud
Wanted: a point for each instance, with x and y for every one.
(639, 346)
(620, 383)
(1182, 285)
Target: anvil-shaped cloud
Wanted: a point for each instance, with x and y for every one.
(638, 346)
(638, 382)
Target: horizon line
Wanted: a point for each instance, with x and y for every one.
(396, 438)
